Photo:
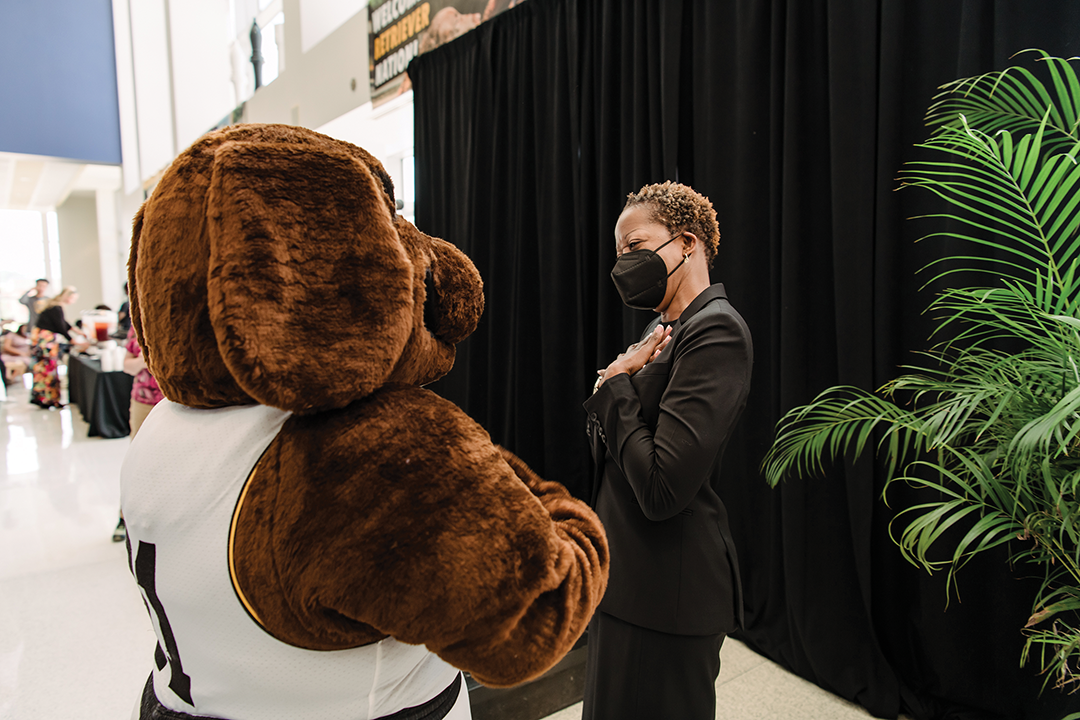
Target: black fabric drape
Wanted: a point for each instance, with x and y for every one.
(794, 117)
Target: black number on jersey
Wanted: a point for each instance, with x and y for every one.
(144, 570)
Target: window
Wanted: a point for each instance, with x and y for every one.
(273, 48)
(28, 255)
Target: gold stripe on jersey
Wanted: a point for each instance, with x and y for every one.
(232, 543)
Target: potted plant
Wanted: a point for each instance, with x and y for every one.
(992, 423)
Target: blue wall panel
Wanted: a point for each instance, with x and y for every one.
(58, 79)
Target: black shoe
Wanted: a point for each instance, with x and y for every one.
(120, 533)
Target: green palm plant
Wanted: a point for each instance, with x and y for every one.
(994, 433)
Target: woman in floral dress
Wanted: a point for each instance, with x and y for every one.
(49, 340)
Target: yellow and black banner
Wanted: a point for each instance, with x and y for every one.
(396, 26)
(399, 30)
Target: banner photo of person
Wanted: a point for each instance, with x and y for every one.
(399, 30)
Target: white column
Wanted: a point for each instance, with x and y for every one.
(125, 86)
(153, 86)
(109, 249)
(50, 245)
(54, 281)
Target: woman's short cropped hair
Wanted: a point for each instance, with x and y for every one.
(680, 208)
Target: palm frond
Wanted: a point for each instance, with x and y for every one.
(1013, 205)
(1059, 653)
(990, 429)
(1013, 99)
(838, 422)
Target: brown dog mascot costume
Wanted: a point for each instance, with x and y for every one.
(315, 535)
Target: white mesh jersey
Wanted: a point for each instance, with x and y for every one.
(180, 483)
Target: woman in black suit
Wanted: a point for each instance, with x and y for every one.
(659, 420)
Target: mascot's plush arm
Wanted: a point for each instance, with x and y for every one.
(398, 516)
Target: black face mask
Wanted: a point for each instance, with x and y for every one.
(641, 277)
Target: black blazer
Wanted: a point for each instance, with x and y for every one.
(657, 439)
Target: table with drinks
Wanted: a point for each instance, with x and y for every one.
(97, 383)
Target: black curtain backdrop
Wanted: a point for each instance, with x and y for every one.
(794, 117)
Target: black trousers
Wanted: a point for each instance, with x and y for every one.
(633, 672)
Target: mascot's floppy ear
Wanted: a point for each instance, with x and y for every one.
(134, 311)
(310, 290)
(167, 287)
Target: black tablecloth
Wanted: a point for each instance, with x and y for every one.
(104, 398)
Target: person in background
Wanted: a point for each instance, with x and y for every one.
(32, 297)
(145, 394)
(15, 352)
(123, 316)
(48, 346)
(659, 419)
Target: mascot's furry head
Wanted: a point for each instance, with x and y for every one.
(270, 267)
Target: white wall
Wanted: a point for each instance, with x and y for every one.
(125, 91)
(80, 252)
(183, 65)
(108, 248)
(319, 85)
(201, 68)
(127, 206)
(152, 86)
(319, 18)
(174, 78)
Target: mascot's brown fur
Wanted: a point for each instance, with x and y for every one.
(270, 267)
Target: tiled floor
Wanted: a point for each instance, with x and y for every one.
(75, 639)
